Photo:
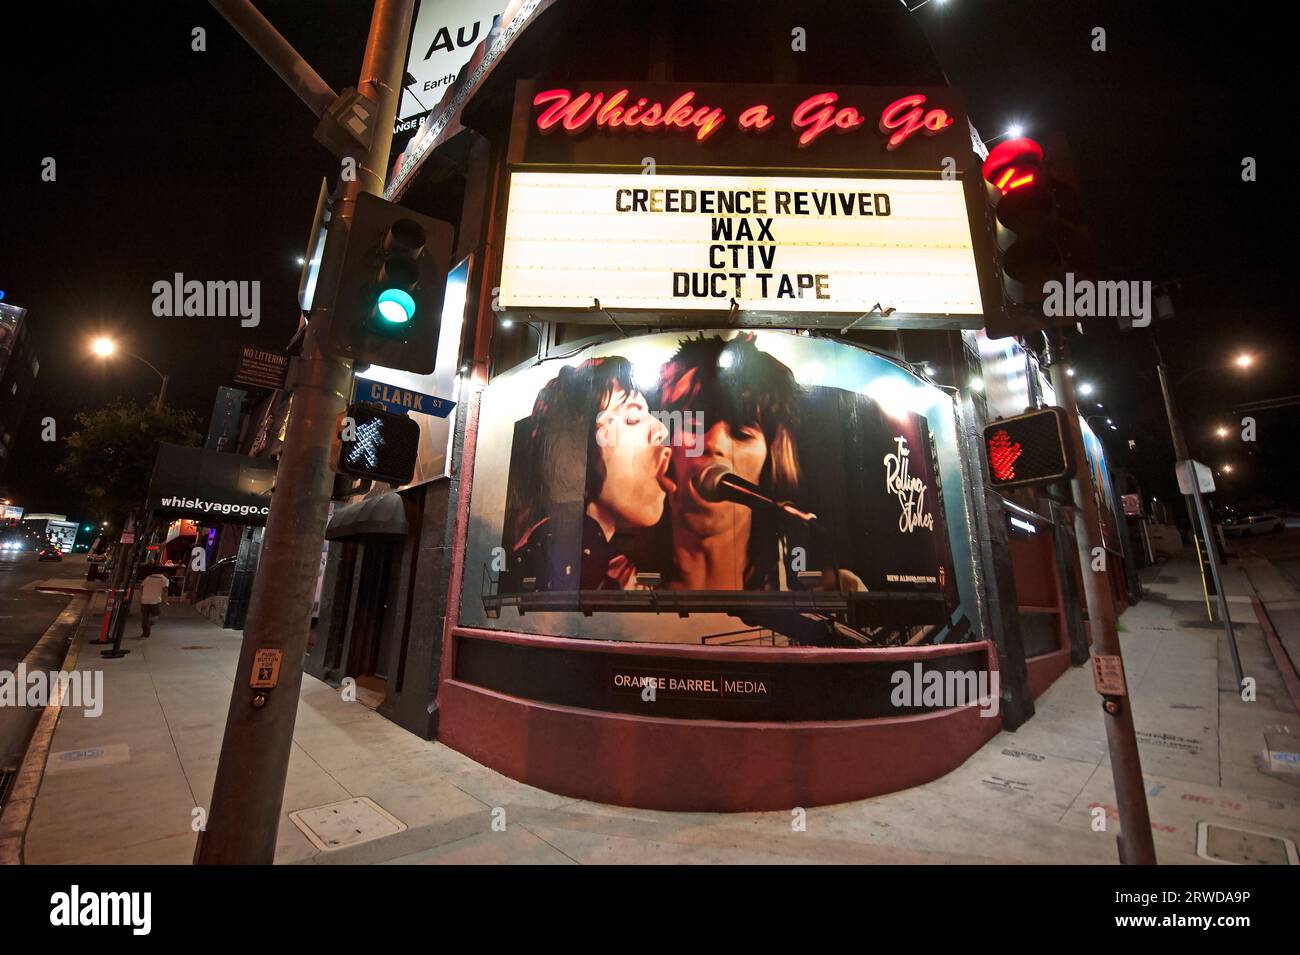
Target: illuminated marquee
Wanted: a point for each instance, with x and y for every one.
(816, 115)
(785, 244)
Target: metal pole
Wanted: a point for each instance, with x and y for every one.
(162, 394)
(279, 55)
(1196, 511)
(1213, 558)
(244, 814)
(116, 585)
(1136, 846)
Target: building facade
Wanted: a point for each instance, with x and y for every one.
(19, 367)
(711, 508)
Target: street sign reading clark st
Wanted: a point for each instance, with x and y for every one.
(401, 400)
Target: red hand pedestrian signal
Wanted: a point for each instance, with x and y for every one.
(1002, 455)
(1029, 449)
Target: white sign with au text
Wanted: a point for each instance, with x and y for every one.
(445, 36)
(766, 243)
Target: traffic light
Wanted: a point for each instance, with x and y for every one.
(1029, 449)
(1020, 195)
(388, 300)
(370, 442)
(1020, 192)
(1039, 229)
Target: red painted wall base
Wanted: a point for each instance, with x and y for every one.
(1044, 670)
(700, 765)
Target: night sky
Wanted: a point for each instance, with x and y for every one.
(171, 161)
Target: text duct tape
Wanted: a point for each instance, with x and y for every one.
(786, 244)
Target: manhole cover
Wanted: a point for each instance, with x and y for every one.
(346, 823)
(1234, 846)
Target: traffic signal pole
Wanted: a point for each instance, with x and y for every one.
(244, 815)
(1197, 512)
(1136, 846)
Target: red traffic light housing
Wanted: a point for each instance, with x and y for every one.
(1020, 192)
(1015, 164)
(1029, 449)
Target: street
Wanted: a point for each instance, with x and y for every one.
(1283, 550)
(25, 614)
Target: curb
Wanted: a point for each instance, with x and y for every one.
(70, 591)
(17, 813)
(75, 586)
(1280, 659)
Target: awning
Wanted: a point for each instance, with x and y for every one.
(384, 516)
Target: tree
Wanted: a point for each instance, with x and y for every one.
(111, 457)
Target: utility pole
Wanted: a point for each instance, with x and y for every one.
(1196, 510)
(1136, 846)
(248, 794)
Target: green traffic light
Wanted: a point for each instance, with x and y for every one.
(395, 306)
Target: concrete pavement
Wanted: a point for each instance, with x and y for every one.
(127, 787)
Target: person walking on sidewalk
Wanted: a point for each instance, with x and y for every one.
(152, 589)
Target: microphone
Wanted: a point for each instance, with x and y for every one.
(716, 484)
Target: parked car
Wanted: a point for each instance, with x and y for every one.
(1255, 525)
(49, 553)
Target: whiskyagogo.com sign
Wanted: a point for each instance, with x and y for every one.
(764, 243)
(797, 205)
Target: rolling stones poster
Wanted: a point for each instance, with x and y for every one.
(720, 488)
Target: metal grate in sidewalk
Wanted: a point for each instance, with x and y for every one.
(1236, 846)
(7, 777)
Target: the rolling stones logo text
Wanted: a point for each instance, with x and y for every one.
(910, 490)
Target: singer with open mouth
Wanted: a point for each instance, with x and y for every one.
(749, 403)
(597, 468)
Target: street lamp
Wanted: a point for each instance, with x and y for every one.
(105, 347)
(1243, 361)
(1015, 131)
(1086, 389)
(1221, 431)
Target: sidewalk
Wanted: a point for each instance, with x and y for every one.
(124, 788)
